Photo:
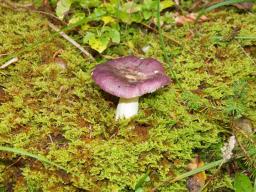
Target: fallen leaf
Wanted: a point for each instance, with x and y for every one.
(197, 181)
(3, 95)
(244, 124)
(60, 62)
(244, 6)
(63, 7)
(190, 18)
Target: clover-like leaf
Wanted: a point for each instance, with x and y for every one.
(99, 44)
(76, 18)
(88, 36)
(108, 19)
(112, 33)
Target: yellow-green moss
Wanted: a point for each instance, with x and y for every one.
(62, 114)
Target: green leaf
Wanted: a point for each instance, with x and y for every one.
(125, 17)
(99, 44)
(2, 189)
(139, 190)
(63, 7)
(89, 3)
(97, 14)
(131, 7)
(242, 183)
(37, 4)
(114, 35)
(88, 36)
(166, 4)
(254, 188)
(149, 5)
(147, 14)
(142, 180)
(108, 19)
(76, 18)
(111, 33)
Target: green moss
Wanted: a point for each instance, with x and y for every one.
(61, 114)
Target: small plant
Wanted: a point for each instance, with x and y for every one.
(234, 108)
(141, 182)
(193, 101)
(235, 105)
(101, 25)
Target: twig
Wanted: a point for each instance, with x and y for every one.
(13, 163)
(13, 60)
(4, 54)
(48, 14)
(72, 41)
(246, 54)
(246, 155)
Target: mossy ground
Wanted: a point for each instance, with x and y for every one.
(60, 113)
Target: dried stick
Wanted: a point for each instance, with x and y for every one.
(72, 41)
(13, 60)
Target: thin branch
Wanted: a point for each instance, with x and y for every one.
(13, 163)
(243, 133)
(48, 14)
(13, 60)
(247, 156)
(4, 54)
(72, 41)
(246, 54)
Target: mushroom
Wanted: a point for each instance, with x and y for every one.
(129, 78)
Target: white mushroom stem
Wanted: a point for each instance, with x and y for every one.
(127, 108)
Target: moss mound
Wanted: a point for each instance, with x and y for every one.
(58, 112)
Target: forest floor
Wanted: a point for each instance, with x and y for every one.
(51, 107)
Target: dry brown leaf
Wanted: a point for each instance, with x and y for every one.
(190, 18)
(244, 124)
(244, 6)
(197, 181)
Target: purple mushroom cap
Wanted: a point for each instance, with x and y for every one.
(130, 76)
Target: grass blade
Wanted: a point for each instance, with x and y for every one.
(192, 172)
(141, 181)
(39, 158)
(197, 170)
(221, 4)
(28, 154)
(163, 47)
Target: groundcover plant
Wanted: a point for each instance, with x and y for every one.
(58, 130)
